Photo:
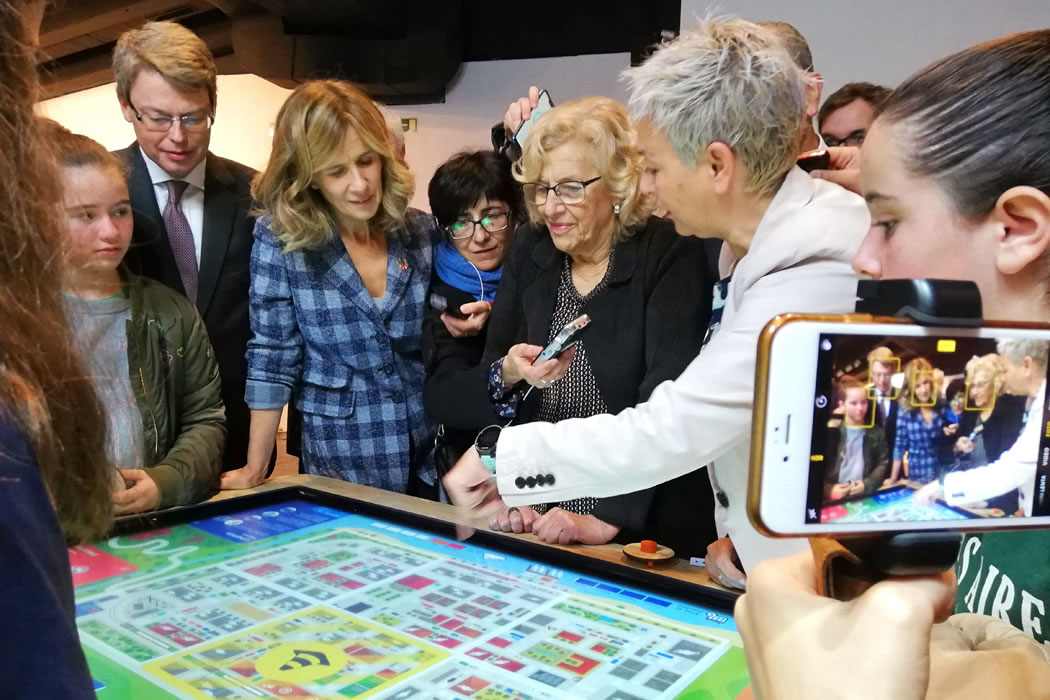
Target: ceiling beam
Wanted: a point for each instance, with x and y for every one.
(80, 18)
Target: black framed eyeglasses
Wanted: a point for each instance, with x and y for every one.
(853, 138)
(569, 192)
(163, 122)
(493, 223)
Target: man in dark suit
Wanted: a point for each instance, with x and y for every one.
(193, 226)
(882, 365)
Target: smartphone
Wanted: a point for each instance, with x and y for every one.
(542, 107)
(814, 160)
(566, 338)
(825, 384)
(440, 303)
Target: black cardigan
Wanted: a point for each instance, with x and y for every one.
(1002, 428)
(646, 327)
(444, 357)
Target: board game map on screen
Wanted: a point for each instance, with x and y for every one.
(301, 600)
(891, 505)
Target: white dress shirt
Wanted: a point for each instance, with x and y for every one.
(1015, 468)
(798, 261)
(192, 199)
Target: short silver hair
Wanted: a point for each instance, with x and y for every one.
(727, 81)
(1019, 348)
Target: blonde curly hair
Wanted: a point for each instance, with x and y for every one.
(985, 363)
(309, 133)
(604, 126)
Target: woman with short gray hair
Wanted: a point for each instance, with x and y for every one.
(719, 116)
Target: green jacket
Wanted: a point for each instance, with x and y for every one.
(876, 459)
(176, 382)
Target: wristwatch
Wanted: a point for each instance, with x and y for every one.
(485, 444)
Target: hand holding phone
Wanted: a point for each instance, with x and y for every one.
(529, 114)
(819, 159)
(518, 365)
(440, 303)
(568, 336)
(519, 110)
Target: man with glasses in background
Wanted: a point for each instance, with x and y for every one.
(193, 227)
(847, 114)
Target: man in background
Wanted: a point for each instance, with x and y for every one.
(798, 48)
(847, 114)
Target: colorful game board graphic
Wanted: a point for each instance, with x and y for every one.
(890, 506)
(318, 653)
(355, 607)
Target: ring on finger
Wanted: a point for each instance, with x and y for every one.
(513, 509)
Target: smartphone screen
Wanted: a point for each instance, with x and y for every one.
(873, 427)
(542, 107)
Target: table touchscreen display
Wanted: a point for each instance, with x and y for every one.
(301, 599)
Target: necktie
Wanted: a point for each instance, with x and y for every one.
(180, 237)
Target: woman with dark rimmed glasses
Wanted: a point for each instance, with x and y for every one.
(478, 205)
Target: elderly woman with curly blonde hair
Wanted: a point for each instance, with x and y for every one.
(991, 421)
(592, 247)
(340, 268)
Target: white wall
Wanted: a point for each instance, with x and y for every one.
(475, 100)
(883, 41)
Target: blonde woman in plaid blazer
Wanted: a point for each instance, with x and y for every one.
(340, 268)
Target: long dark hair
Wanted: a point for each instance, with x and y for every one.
(43, 385)
(978, 121)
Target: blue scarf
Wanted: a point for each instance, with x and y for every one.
(457, 271)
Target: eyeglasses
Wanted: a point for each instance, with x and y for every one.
(571, 192)
(854, 138)
(162, 122)
(465, 228)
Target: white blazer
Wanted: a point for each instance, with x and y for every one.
(798, 261)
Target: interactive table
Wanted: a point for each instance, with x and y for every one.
(299, 592)
(891, 505)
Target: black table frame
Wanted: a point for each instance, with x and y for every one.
(718, 599)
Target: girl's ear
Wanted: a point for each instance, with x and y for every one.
(1023, 215)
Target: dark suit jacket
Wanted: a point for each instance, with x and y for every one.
(645, 328)
(222, 295)
(888, 424)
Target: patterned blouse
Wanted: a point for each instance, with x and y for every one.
(576, 395)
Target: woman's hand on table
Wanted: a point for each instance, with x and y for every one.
(477, 316)
(513, 520)
(471, 486)
(244, 478)
(558, 526)
(721, 564)
(802, 645)
(517, 366)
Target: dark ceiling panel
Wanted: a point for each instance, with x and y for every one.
(79, 35)
(72, 19)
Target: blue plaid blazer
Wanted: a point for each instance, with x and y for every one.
(920, 442)
(354, 368)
